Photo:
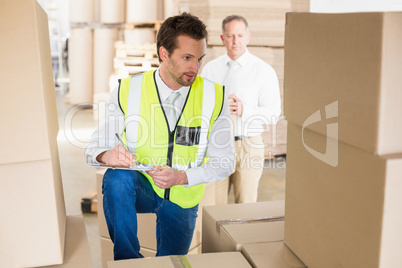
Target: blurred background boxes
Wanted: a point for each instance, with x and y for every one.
(266, 18)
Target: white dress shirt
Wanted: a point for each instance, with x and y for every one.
(220, 149)
(164, 93)
(256, 84)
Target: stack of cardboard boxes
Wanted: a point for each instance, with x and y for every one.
(343, 101)
(35, 230)
(256, 230)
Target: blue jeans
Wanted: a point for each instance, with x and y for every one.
(126, 193)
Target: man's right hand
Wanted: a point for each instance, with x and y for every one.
(119, 156)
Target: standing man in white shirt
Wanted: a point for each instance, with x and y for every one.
(253, 90)
(177, 122)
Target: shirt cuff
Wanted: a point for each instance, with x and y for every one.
(192, 178)
(91, 159)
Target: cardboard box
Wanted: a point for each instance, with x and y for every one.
(229, 227)
(274, 254)
(76, 251)
(346, 68)
(33, 214)
(107, 251)
(32, 206)
(226, 259)
(147, 221)
(343, 216)
(103, 231)
(146, 252)
(28, 116)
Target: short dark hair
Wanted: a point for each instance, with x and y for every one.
(232, 18)
(183, 24)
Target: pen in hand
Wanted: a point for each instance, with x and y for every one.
(121, 142)
(147, 167)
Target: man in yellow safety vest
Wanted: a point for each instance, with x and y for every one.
(174, 131)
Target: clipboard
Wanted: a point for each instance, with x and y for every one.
(138, 166)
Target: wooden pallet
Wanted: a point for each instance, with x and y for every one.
(133, 70)
(126, 50)
(135, 58)
(136, 61)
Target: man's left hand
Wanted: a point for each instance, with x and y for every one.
(235, 107)
(166, 177)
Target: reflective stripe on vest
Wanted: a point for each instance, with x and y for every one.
(151, 141)
(133, 111)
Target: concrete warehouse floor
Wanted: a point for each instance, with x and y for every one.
(76, 126)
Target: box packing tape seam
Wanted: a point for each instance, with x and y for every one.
(180, 261)
(245, 221)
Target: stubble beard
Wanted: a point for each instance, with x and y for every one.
(180, 78)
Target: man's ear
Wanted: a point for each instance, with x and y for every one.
(223, 42)
(163, 53)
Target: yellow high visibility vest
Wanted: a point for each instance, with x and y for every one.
(147, 131)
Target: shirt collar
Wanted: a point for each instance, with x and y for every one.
(165, 91)
(242, 60)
